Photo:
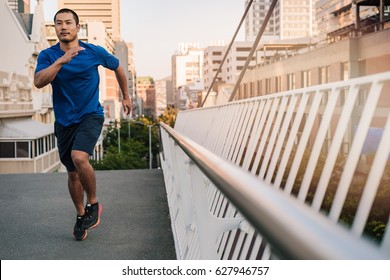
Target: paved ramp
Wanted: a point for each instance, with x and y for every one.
(37, 218)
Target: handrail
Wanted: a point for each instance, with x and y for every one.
(299, 233)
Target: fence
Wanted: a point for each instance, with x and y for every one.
(301, 174)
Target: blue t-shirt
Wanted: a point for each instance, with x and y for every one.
(76, 86)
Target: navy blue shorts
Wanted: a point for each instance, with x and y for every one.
(82, 137)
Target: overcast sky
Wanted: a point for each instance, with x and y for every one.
(156, 27)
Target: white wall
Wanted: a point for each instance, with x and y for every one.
(15, 48)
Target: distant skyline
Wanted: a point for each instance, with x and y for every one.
(157, 27)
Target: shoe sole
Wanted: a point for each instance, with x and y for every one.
(98, 221)
(85, 236)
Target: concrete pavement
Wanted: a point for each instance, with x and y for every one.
(37, 218)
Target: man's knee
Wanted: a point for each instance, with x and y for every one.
(80, 158)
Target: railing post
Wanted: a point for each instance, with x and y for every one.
(208, 226)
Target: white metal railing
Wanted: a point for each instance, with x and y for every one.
(325, 147)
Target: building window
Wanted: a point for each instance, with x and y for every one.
(267, 86)
(7, 150)
(278, 84)
(324, 75)
(14, 149)
(306, 78)
(345, 71)
(22, 150)
(290, 81)
(252, 89)
(243, 49)
(259, 88)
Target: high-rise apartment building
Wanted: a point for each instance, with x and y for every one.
(107, 11)
(212, 59)
(187, 67)
(235, 61)
(255, 19)
(290, 19)
(233, 65)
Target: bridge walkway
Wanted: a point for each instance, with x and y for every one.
(37, 218)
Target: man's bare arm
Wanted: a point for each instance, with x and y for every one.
(47, 75)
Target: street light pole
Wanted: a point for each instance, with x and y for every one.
(129, 128)
(129, 121)
(118, 127)
(150, 146)
(119, 137)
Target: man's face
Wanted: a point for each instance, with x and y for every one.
(66, 28)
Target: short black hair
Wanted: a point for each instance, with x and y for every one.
(66, 10)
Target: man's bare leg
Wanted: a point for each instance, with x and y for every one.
(76, 191)
(86, 174)
(87, 178)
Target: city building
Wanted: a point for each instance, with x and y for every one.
(359, 50)
(27, 141)
(255, 18)
(190, 94)
(291, 27)
(146, 96)
(230, 70)
(212, 59)
(106, 11)
(131, 69)
(235, 61)
(121, 52)
(187, 66)
(290, 19)
(26, 145)
(346, 53)
(163, 94)
(337, 18)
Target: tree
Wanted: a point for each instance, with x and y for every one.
(168, 117)
(134, 151)
(132, 156)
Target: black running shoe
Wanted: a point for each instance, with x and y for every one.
(79, 233)
(92, 215)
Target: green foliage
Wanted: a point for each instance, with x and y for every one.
(168, 117)
(132, 156)
(134, 151)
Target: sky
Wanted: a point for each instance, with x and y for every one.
(157, 27)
